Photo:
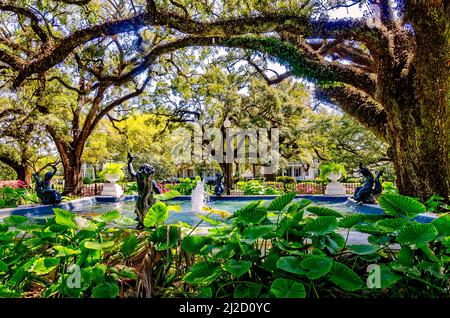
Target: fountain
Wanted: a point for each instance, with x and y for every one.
(199, 197)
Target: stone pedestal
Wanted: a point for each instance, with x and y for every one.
(112, 189)
(335, 188)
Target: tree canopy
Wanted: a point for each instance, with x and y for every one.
(388, 69)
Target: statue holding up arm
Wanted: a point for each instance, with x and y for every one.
(44, 190)
(145, 185)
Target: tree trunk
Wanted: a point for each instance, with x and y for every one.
(421, 159)
(23, 173)
(419, 125)
(73, 181)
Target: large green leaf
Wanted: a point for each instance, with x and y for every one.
(400, 205)
(255, 232)
(105, 290)
(362, 249)
(159, 237)
(247, 290)
(344, 277)
(323, 211)
(172, 194)
(321, 225)
(442, 224)
(64, 251)
(252, 216)
(237, 268)
(290, 264)
(349, 221)
(109, 216)
(218, 251)
(194, 243)
(334, 242)
(202, 273)
(429, 253)
(299, 205)
(44, 265)
(129, 245)
(405, 256)
(63, 217)
(386, 277)
(317, 266)
(209, 220)
(99, 245)
(417, 234)
(15, 220)
(8, 293)
(279, 203)
(433, 268)
(156, 215)
(4, 227)
(287, 288)
(393, 224)
(3, 267)
(371, 229)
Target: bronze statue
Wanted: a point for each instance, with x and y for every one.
(146, 188)
(367, 193)
(218, 188)
(44, 190)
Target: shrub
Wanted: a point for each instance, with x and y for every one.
(130, 188)
(87, 180)
(12, 197)
(328, 168)
(15, 184)
(185, 186)
(286, 179)
(254, 187)
(112, 168)
(389, 187)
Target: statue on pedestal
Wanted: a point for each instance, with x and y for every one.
(218, 188)
(146, 188)
(44, 190)
(367, 193)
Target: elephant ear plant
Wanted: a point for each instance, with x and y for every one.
(293, 249)
(72, 256)
(283, 248)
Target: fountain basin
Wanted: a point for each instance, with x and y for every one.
(126, 204)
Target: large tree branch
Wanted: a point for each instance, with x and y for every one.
(302, 25)
(91, 124)
(358, 105)
(300, 63)
(9, 59)
(30, 15)
(9, 161)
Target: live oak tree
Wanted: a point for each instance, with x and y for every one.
(22, 144)
(389, 71)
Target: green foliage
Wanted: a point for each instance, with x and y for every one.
(436, 204)
(300, 249)
(186, 185)
(296, 252)
(112, 168)
(130, 188)
(254, 187)
(12, 197)
(326, 169)
(87, 180)
(286, 179)
(389, 187)
(37, 257)
(400, 205)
